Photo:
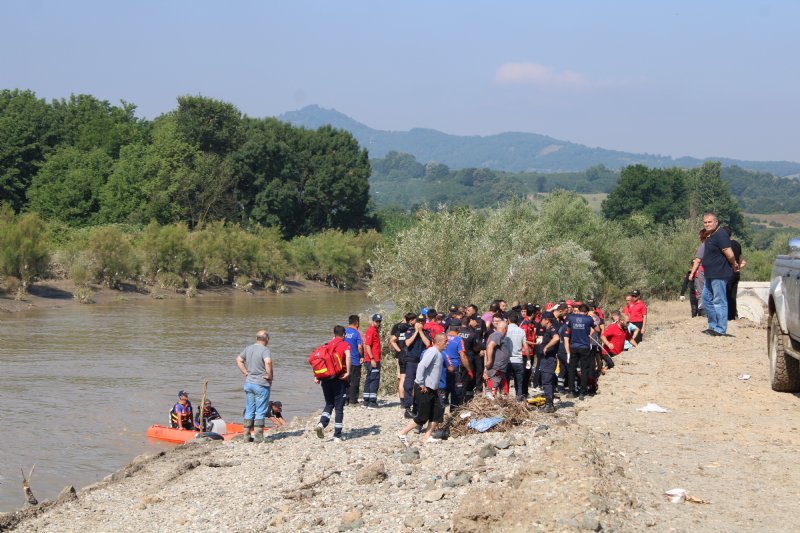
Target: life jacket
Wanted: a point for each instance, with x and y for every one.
(181, 416)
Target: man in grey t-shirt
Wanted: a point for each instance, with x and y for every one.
(255, 362)
(498, 353)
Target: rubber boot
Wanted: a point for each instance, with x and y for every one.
(248, 425)
(258, 431)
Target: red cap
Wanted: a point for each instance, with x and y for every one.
(578, 304)
(548, 306)
(570, 302)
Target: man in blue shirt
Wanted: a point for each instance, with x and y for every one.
(579, 349)
(719, 265)
(451, 386)
(353, 338)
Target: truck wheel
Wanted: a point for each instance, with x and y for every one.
(784, 370)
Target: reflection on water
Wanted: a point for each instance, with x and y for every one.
(80, 385)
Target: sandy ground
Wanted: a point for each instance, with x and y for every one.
(594, 465)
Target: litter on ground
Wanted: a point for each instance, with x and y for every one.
(652, 408)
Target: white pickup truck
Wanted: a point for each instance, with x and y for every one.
(783, 331)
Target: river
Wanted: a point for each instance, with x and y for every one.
(80, 384)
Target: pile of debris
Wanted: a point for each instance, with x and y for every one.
(498, 414)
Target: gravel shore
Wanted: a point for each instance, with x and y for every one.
(591, 466)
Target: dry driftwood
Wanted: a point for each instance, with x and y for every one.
(26, 487)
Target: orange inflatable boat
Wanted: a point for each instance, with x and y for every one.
(169, 434)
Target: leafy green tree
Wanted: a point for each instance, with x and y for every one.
(212, 125)
(660, 193)
(68, 185)
(25, 138)
(24, 251)
(303, 181)
(707, 192)
(87, 123)
(126, 194)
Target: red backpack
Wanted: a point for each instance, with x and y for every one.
(324, 361)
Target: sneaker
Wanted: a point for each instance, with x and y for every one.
(549, 408)
(372, 406)
(403, 440)
(489, 395)
(432, 439)
(320, 431)
(408, 414)
(338, 439)
(535, 390)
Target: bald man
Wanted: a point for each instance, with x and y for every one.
(255, 363)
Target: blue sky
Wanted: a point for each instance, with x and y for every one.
(679, 78)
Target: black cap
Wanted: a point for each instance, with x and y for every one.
(455, 325)
(548, 315)
(636, 293)
(453, 308)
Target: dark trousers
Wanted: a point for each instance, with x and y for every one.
(333, 390)
(454, 389)
(537, 374)
(639, 334)
(608, 361)
(730, 290)
(372, 383)
(693, 302)
(517, 371)
(583, 357)
(354, 385)
(408, 384)
(562, 368)
(477, 370)
(547, 368)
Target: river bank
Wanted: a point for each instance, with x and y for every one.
(597, 464)
(57, 293)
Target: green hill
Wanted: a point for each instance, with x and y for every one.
(512, 151)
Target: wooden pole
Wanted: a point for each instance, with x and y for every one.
(202, 406)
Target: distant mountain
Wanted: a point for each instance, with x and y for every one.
(512, 151)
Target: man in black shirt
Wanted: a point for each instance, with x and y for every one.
(397, 341)
(719, 265)
(473, 344)
(733, 283)
(416, 342)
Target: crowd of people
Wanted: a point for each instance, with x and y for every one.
(445, 360)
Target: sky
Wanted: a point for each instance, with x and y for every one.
(679, 78)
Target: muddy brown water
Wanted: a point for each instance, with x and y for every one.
(79, 385)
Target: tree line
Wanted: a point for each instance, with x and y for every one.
(83, 161)
(399, 179)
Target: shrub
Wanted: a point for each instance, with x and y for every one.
(111, 256)
(338, 258)
(166, 249)
(84, 295)
(169, 281)
(24, 250)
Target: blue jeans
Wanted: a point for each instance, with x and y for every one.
(256, 401)
(715, 302)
